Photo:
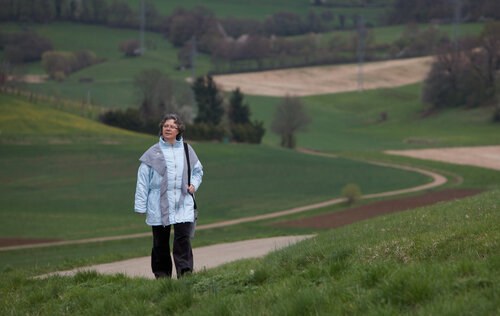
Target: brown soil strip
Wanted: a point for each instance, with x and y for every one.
(4, 242)
(349, 216)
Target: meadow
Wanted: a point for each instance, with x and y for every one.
(67, 177)
(81, 171)
(442, 259)
(260, 9)
(351, 121)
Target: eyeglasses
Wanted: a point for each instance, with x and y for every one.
(170, 127)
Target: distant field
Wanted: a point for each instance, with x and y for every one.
(389, 34)
(329, 79)
(351, 122)
(112, 80)
(112, 86)
(261, 9)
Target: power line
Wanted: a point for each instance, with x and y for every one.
(361, 52)
(457, 19)
(193, 69)
(143, 23)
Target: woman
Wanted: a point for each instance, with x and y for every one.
(163, 194)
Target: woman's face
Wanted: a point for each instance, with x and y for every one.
(170, 131)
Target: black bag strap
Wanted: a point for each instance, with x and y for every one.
(186, 150)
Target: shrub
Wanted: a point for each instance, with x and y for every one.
(351, 192)
(496, 114)
(128, 119)
(248, 133)
(24, 47)
(204, 131)
(67, 62)
(58, 61)
(130, 47)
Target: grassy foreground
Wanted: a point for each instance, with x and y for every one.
(443, 259)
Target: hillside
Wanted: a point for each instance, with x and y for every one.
(414, 262)
(75, 167)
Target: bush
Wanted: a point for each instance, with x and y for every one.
(351, 192)
(67, 62)
(24, 47)
(130, 47)
(248, 133)
(204, 131)
(128, 119)
(496, 114)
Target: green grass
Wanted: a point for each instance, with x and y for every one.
(74, 169)
(261, 9)
(113, 79)
(390, 34)
(442, 259)
(112, 84)
(350, 122)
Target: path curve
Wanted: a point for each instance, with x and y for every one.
(438, 180)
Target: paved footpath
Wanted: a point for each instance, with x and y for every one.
(204, 257)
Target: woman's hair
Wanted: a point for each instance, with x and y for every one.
(177, 120)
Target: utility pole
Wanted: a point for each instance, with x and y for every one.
(193, 68)
(88, 95)
(361, 52)
(457, 19)
(143, 23)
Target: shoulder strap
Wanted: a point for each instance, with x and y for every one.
(186, 151)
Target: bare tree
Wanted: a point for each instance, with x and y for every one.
(290, 116)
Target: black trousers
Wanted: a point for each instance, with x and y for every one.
(161, 263)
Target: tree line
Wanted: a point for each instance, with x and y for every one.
(423, 11)
(239, 45)
(216, 118)
(466, 73)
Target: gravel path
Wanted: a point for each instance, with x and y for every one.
(204, 257)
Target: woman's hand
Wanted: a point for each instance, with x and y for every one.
(191, 189)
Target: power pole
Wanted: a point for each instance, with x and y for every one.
(457, 19)
(143, 23)
(193, 68)
(361, 52)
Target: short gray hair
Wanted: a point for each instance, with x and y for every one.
(177, 120)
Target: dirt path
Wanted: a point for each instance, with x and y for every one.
(204, 257)
(437, 180)
(328, 79)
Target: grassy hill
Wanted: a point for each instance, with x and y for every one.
(261, 9)
(351, 122)
(442, 259)
(76, 169)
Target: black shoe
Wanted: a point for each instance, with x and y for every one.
(162, 275)
(184, 273)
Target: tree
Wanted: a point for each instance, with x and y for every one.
(58, 64)
(239, 113)
(130, 47)
(209, 101)
(155, 94)
(464, 74)
(290, 116)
